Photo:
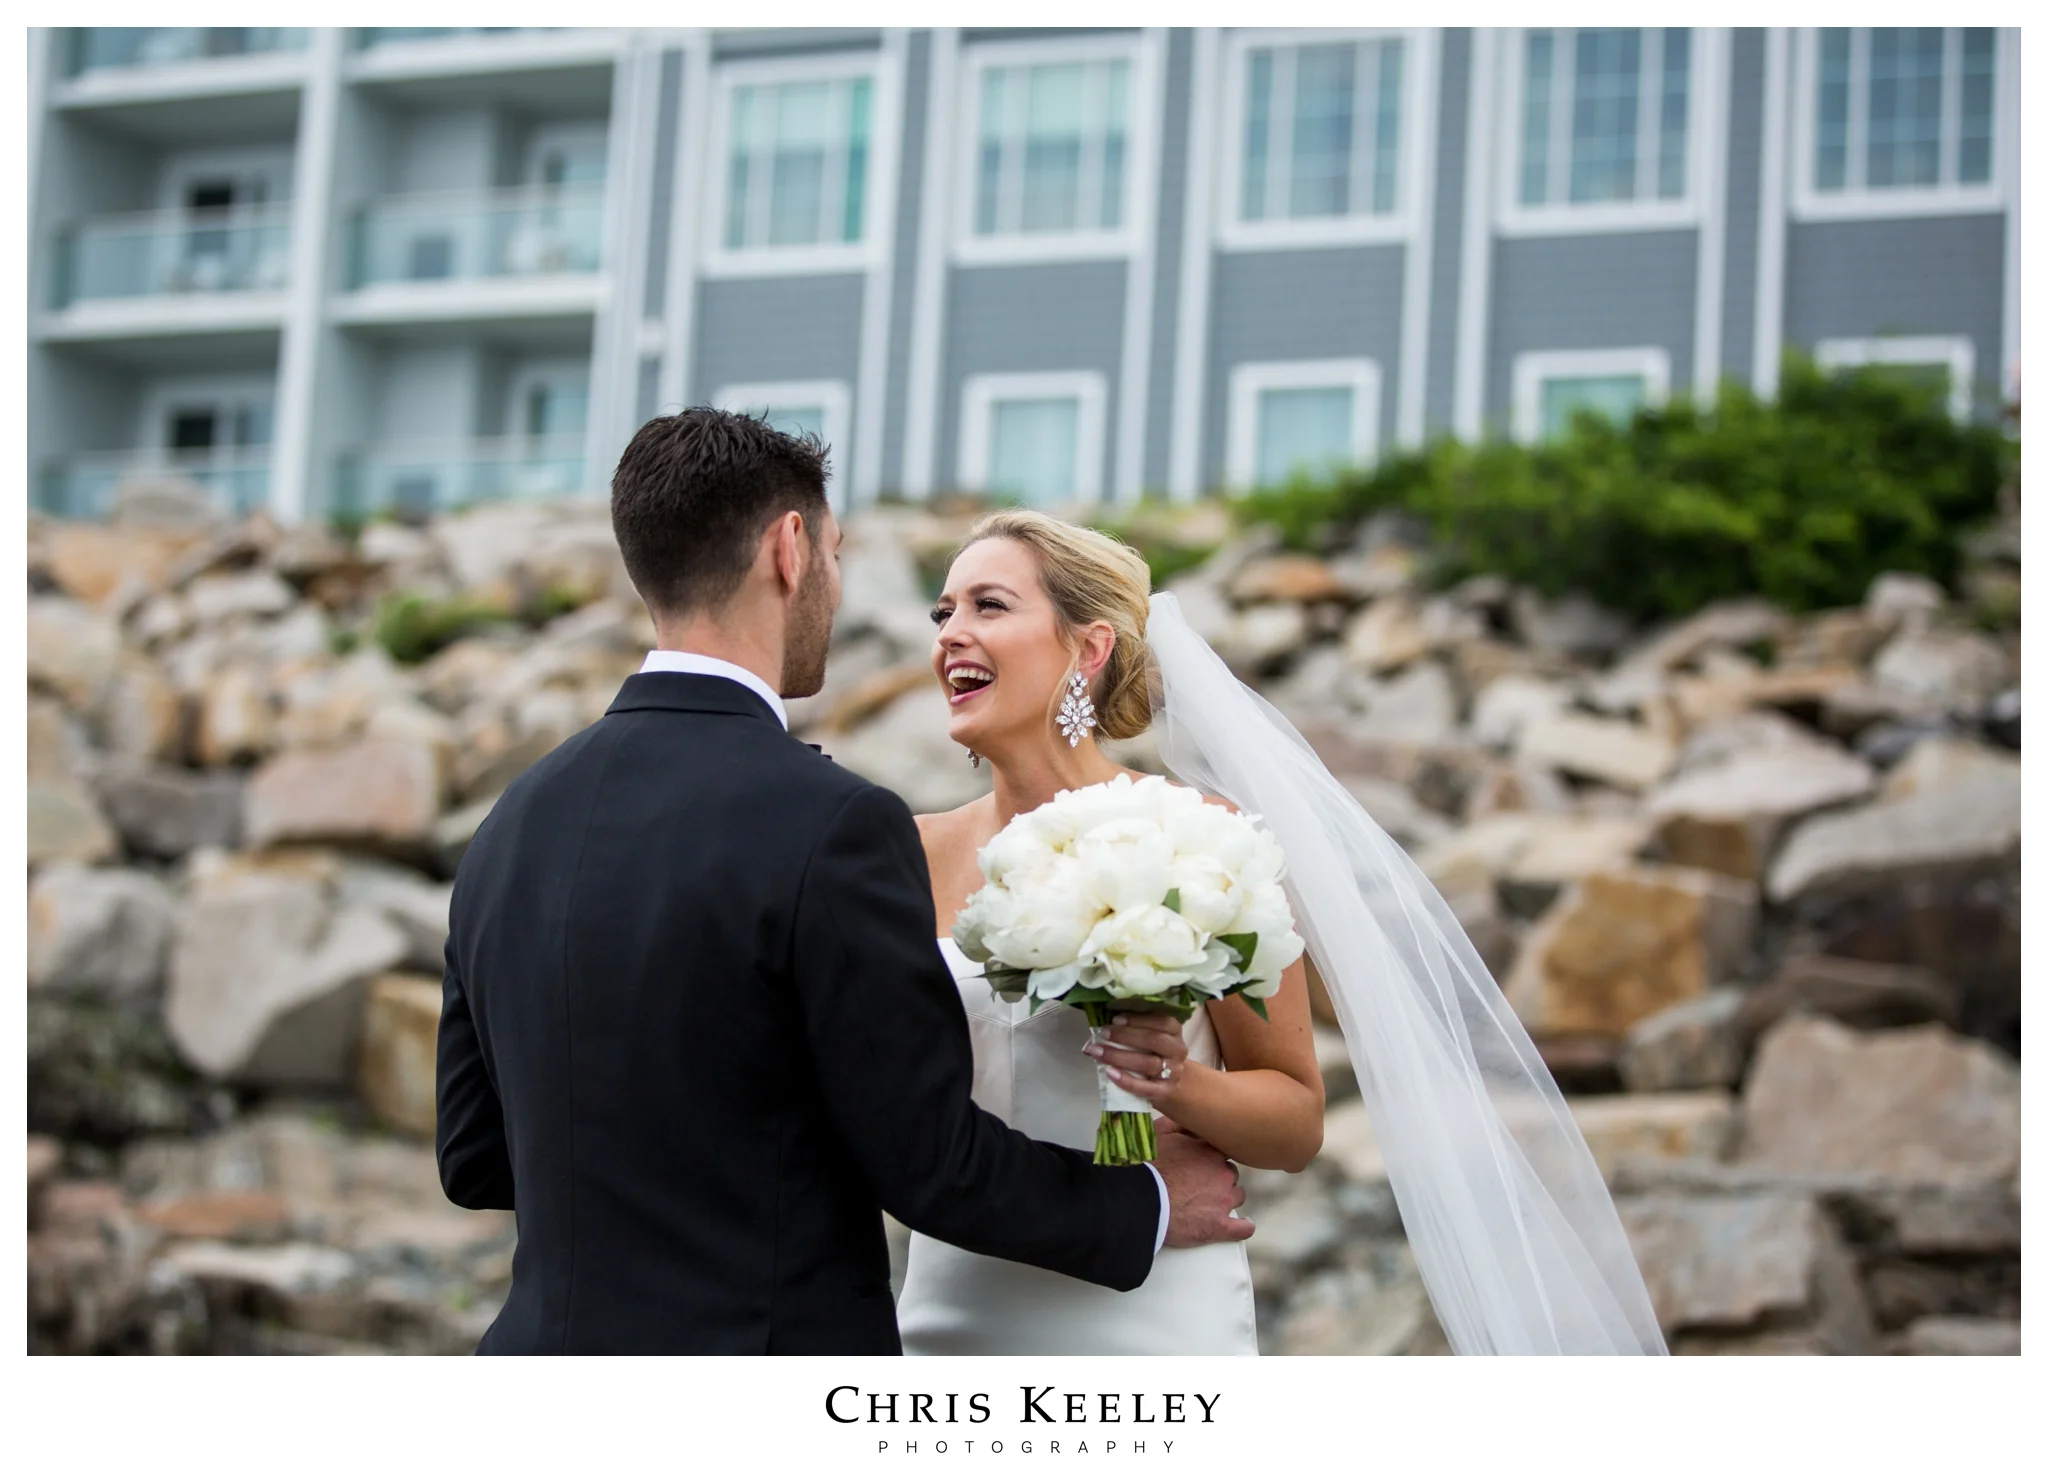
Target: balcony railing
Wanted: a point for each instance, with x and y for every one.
(531, 231)
(173, 252)
(87, 486)
(102, 48)
(427, 478)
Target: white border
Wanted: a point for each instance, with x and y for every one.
(1955, 351)
(1705, 125)
(878, 212)
(1532, 368)
(1866, 204)
(979, 394)
(1141, 174)
(1251, 380)
(1412, 194)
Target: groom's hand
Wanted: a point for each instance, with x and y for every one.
(1201, 1191)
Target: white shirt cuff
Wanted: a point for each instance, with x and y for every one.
(1165, 1207)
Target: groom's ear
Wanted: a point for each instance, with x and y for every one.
(788, 546)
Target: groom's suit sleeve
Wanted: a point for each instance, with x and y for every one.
(469, 1121)
(889, 1036)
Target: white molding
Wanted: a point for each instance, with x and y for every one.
(1141, 279)
(1141, 175)
(1955, 352)
(863, 477)
(1191, 325)
(834, 397)
(2008, 146)
(630, 147)
(878, 211)
(216, 392)
(979, 395)
(1417, 136)
(198, 79)
(1475, 253)
(1533, 367)
(183, 313)
(928, 305)
(455, 300)
(1767, 342)
(692, 187)
(1418, 264)
(461, 55)
(1714, 73)
(1704, 123)
(298, 471)
(1863, 203)
(1249, 381)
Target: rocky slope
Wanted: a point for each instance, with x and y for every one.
(1751, 881)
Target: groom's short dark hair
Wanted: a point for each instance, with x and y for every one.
(692, 494)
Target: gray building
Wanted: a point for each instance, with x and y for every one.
(335, 271)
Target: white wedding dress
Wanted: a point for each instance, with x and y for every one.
(1032, 1073)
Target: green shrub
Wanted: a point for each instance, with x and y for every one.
(1802, 500)
(412, 628)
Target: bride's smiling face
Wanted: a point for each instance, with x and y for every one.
(999, 651)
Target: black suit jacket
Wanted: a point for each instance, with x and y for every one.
(696, 1032)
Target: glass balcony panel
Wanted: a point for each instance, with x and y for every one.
(525, 232)
(173, 252)
(87, 486)
(101, 48)
(417, 480)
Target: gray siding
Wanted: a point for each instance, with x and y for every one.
(1170, 237)
(1454, 115)
(1048, 316)
(1589, 292)
(1912, 275)
(917, 72)
(776, 328)
(1745, 189)
(1309, 304)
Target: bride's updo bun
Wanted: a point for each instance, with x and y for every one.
(1091, 577)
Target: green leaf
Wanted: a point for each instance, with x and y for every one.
(1173, 900)
(1257, 1005)
(1243, 945)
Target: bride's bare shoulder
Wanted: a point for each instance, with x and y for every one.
(940, 828)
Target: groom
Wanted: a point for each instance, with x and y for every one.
(696, 1029)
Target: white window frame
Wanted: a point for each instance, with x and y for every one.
(1248, 382)
(1141, 150)
(219, 393)
(1865, 203)
(835, 396)
(878, 211)
(979, 395)
(1704, 126)
(1533, 367)
(1234, 234)
(1955, 351)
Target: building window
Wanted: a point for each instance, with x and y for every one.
(1553, 386)
(1300, 417)
(1891, 115)
(1947, 363)
(819, 408)
(1037, 438)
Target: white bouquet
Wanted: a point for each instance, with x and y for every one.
(1130, 896)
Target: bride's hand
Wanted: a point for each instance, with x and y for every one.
(1145, 1054)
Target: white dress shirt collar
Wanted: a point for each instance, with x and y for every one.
(667, 660)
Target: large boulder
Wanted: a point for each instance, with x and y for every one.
(1418, 705)
(1858, 994)
(65, 825)
(168, 811)
(1693, 1045)
(101, 932)
(1916, 1104)
(1739, 622)
(1624, 943)
(1964, 831)
(418, 906)
(401, 1025)
(1611, 751)
(103, 564)
(237, 720)
(268, 975)
(376, 794)
(73, 649)
(1508, 705)
(226, 595)
(1729, 817)
(1941, 763)
(1633, 1128)
(1960, 671)
(1286, 577)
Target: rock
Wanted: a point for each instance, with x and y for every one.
(1396, 630)
(283, 1268)
(2002, 719)
(1945, 762)
(454, 830)
(1301, 578)
(105, 1074)
(1557, 850)
(268, 977)
(416, 905)
(1394, 808)
(1901, 594)
(65, 825)
(1622, 944)
(1967, 933)
(99, 563)
(236, 721)
(1914, 1103)
(1349, 1146)
(214, 599)
(1857, 994)
(1961, 671)
(1966, 831)
(1756, 731)
(58, 750)
(250, 1216)
(1258, 637)
(1573, 624)
(380, 794)
(101, 932)
(73, 650)
(1691, 1126)
(1756, 1272)
(167, 812)
(1420, 705)
(879, 589)
(1739, 622)
(401, 1023)
(906, 749)
(863, 700)
(1728, 817)
(1510, 704)
(1959, 1336)
(140, 714)
(1885, 743)
(1371, 574)
(1357, 1311)
(1693, 1045)
(1611, 751)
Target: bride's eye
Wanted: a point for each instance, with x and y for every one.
(989, 603)
(939, 615)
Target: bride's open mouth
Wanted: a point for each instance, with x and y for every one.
(965, 680)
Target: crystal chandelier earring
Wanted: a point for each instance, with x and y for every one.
(974, 760)
(1077, 711)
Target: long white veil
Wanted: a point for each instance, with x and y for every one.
(1511, 1224)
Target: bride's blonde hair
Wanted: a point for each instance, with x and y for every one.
(1090, 577)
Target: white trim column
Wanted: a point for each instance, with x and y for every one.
(1768, 344)
(1475, 256)
(871, 391)
(685, 233)
(629, 188)
(2009, 145)
(316, 225)
(928, 309)
(1419, 253)
(1197, 246)
(1716, 83)
(1141, 280)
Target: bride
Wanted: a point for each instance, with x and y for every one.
(1511, 1226)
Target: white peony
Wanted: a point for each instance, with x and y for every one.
(1211, 896)
(1128, 861)
(1044, 912)
(1145, 951)
(1267, 915)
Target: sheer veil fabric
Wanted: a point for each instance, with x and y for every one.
(1511, 1224)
